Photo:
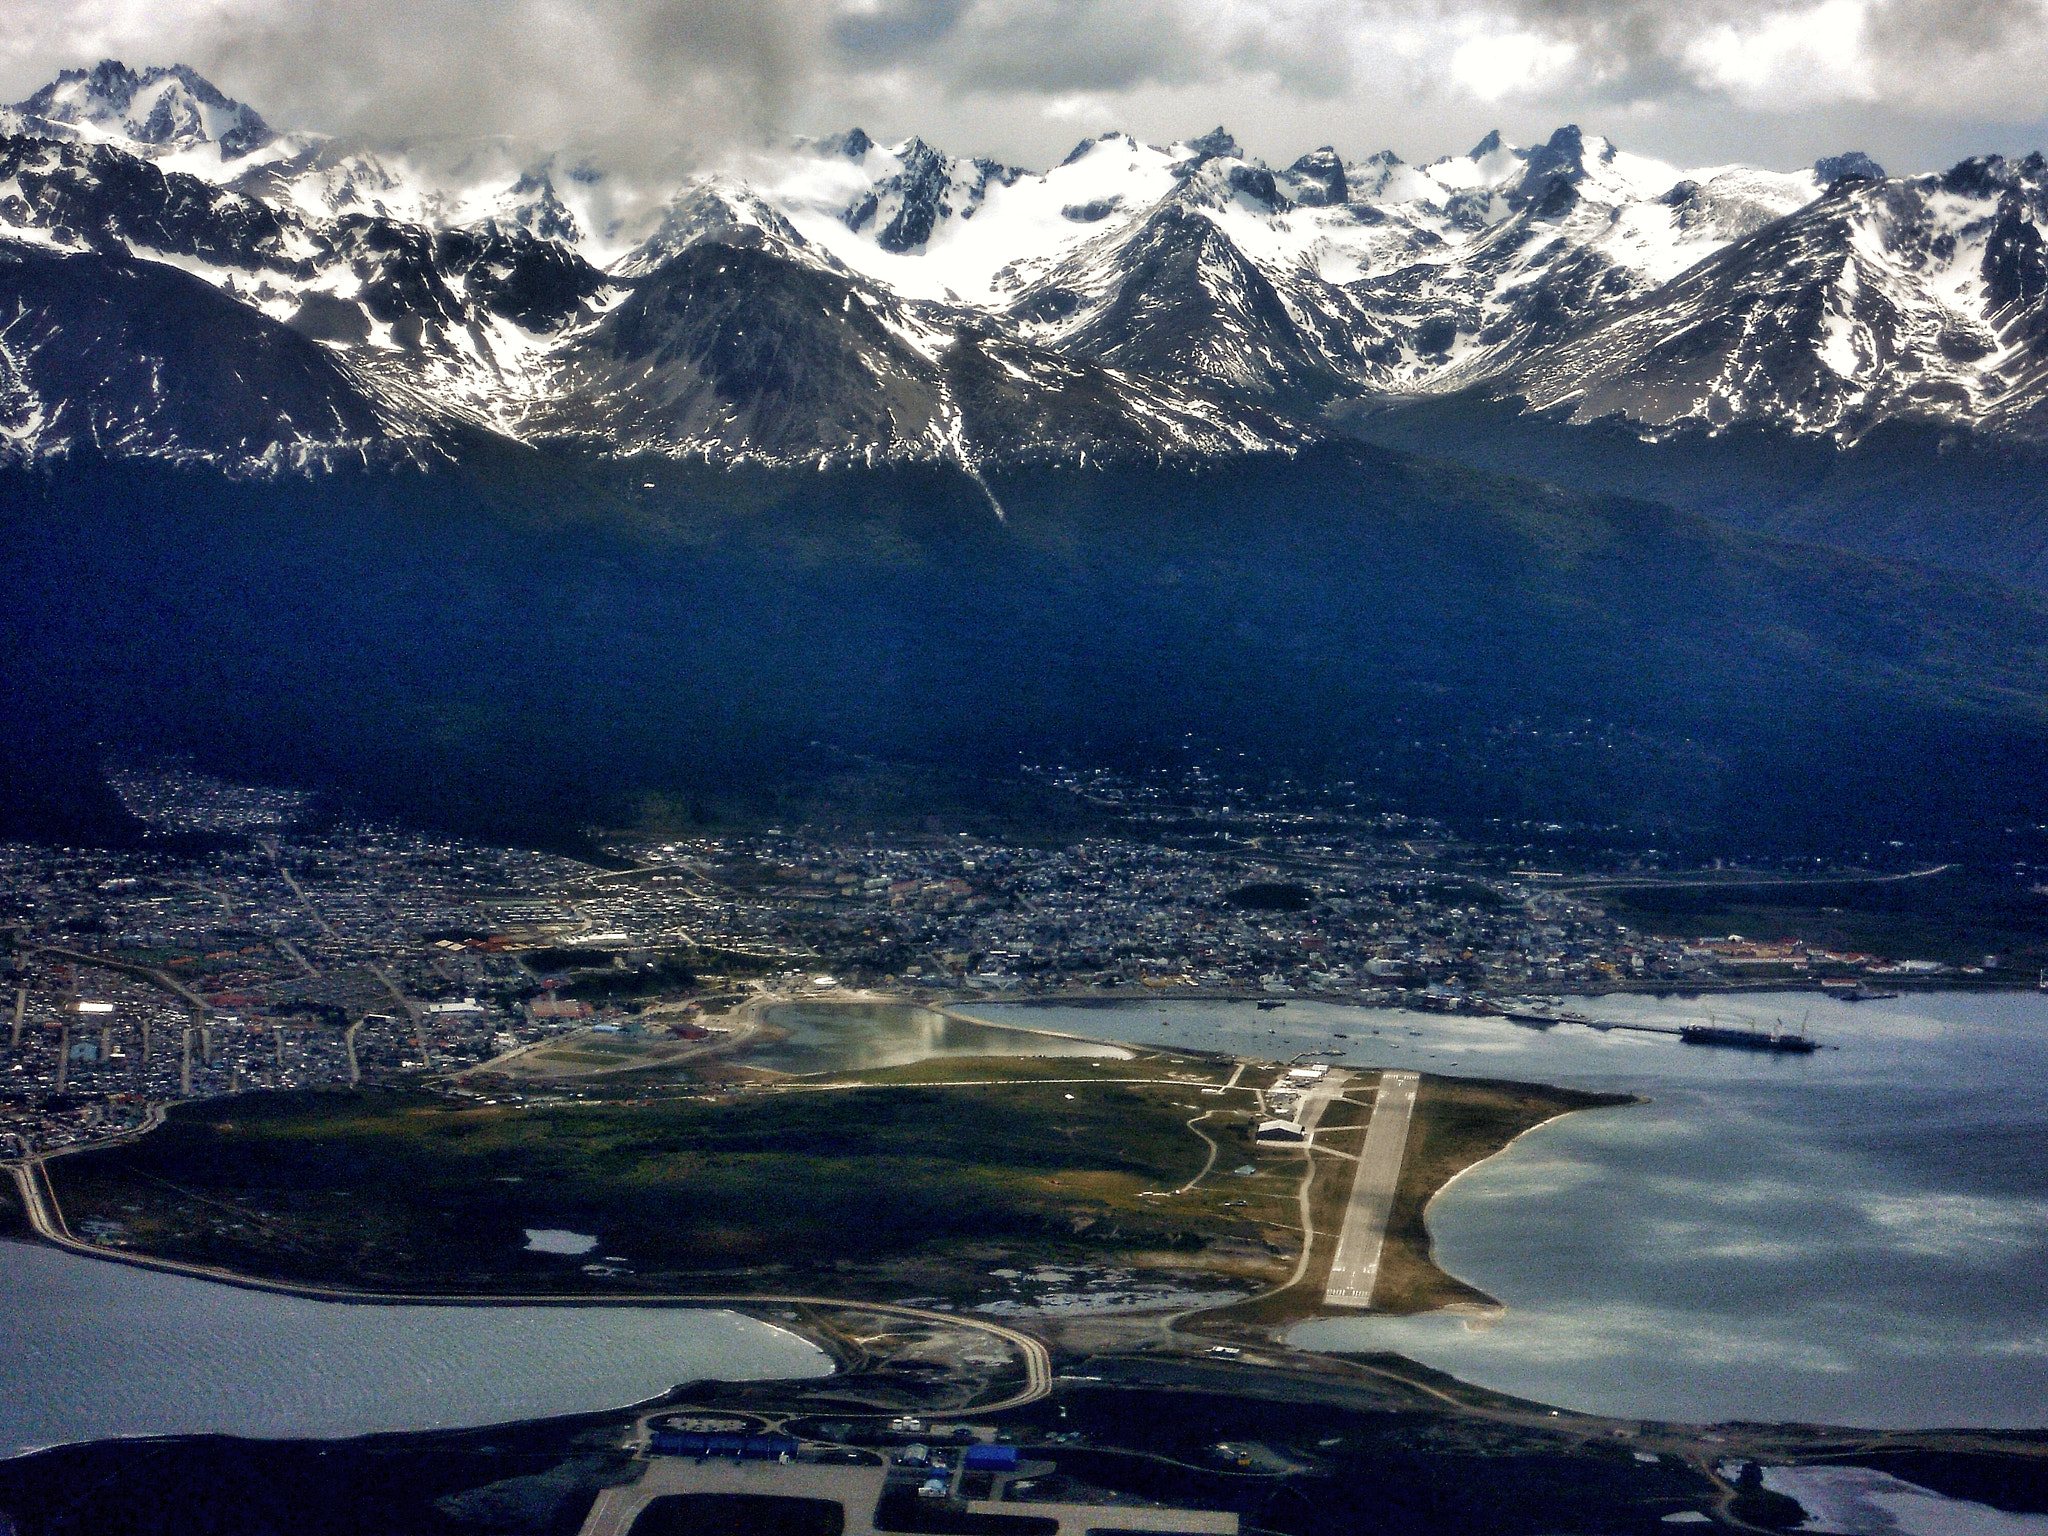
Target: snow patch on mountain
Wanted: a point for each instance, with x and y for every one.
(1918, 298)
(990, 228)
(156, 112)
(839, 297)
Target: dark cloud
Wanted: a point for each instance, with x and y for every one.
(657, 80)
(1965, 28)
(897, 30)
(662, 70)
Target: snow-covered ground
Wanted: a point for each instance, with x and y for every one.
(1560, 267)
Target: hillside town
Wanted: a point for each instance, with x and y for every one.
(247, 943)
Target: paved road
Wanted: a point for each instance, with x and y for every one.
(38, 1198)
(1319, 1098)
(1733, 880)
(1356, 1268)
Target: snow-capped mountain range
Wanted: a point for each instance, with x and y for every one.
(178, 279)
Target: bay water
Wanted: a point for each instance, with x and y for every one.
(1858, 1236)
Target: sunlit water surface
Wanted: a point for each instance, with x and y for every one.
(1855, 1501)
(94, 1350)
(860, 1037)
(1859, 1236)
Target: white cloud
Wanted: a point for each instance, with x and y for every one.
(1493, 65)
(1764, 80)
(1788, 57)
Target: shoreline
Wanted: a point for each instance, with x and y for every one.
(593, 1415)
(1092, 997)
(872, 999)
(1028, 1351)
(734, 1303)
(1492, 1307)
(687, 1299)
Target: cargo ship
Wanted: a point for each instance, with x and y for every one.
(1780, 1039)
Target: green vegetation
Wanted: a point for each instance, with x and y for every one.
(1958, 916)
(13, 1219)
(867, 1191)
(1449, 632)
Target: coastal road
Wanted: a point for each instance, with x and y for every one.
(1356, 1268)
(1731, 880)
(39, 1203)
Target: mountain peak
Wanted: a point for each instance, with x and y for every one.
(1564, 154)
(1216, 143)
(1082, 149)
(854, 144)
(1318, 178)
(715, 211)
(158, 109)
(1490, 145)
(1851, 166)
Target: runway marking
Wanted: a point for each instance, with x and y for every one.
(1355, 1269)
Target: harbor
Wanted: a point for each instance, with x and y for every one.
(1745, 1037)
(1857, 1235)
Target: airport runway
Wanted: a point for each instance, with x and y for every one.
(1356, 1268)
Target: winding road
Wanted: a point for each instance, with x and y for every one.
(38, 1199)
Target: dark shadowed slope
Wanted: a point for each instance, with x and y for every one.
(554, 636)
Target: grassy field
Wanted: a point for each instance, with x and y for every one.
(887, 1186)
(1458, 1122)
(865, 1191)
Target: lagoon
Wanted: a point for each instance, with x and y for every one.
(96, 1350)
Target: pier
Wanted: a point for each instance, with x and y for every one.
(1780, 1040)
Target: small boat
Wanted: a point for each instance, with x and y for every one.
(1270, 1003)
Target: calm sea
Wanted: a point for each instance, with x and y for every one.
(95, 1350)
(1859, 1236)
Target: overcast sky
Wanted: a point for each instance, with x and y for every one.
(1917, 83)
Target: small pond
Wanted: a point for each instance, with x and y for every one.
(857, 1037)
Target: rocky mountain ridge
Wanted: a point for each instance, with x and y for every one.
(840, 300)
